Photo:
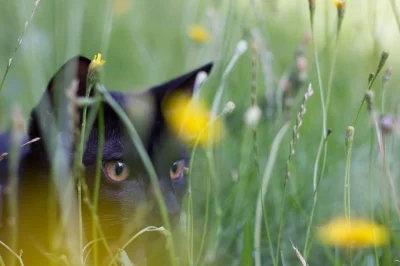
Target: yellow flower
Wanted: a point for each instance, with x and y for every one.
(190, 120)
(94, 69)
(339, 3)
(353, 233)
(199, 34)
(97, 62)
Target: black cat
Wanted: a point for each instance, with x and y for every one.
(126, 200)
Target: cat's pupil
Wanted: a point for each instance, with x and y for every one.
(174, 167)
(119, 167)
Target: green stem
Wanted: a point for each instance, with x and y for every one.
(306, 250)
(99, 160)
(190, 224)
(147, 229)
(78, 166)
(370, 179)
(331, 74)
(317, 65)
(278, 246)
(324, 135)
(9, 63)
(347, 184)
(206, 217)
(146, 161)
(261, 196)
(370, 83)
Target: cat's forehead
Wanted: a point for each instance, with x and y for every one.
(145, 114)
(141, 108)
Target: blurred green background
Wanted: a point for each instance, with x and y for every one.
(147, 42)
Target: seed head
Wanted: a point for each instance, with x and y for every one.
(252, 116)
(387, 75)
(229, 107)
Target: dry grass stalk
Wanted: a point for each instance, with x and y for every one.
(5, 154)
(299, 256)
(296, 128)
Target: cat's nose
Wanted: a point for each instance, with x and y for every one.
(172, 204)
(169, 196)
(170, 200)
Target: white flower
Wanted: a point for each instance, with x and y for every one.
(229, 107)
(252, 116)
(241, 47)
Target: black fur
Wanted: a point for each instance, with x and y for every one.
(124, 207)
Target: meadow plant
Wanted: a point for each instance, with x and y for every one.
(337, 203)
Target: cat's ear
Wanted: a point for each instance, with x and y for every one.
(184, 84)
(74, 69)
(54, 100)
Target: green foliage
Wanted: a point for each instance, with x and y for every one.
(148, 43)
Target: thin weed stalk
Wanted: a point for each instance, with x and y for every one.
(200, 79)
(324, 137)
(206, 219)
(147, 229)
(381, 63)
(17, 134)
(77, 167)
(295, 137)
(315, 198)
(189, 220)
(190, 223)
(99, 160)
(325, 134)
(241, 48)
(370, 179)
(254, 63)
(324, 115)
(282, 207)
(385, 79)
(18, 257)
(5, 154)
(93, 114)
(300, 257)
(347, 188)
(340, 10)
(9, 63)
(146, 161)
(261, 196)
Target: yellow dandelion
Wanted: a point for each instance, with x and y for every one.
(94, 68)
(190, 120)
(339, 3)
(199, 34)
(354, 233)
(97, 61)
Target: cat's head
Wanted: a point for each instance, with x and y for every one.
(126, 197)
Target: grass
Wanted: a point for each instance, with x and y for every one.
(241, 182)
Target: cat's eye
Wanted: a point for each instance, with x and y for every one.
(117, 171)
(177, 169)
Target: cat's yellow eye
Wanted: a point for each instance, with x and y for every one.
(176, 169)
(117, 171)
